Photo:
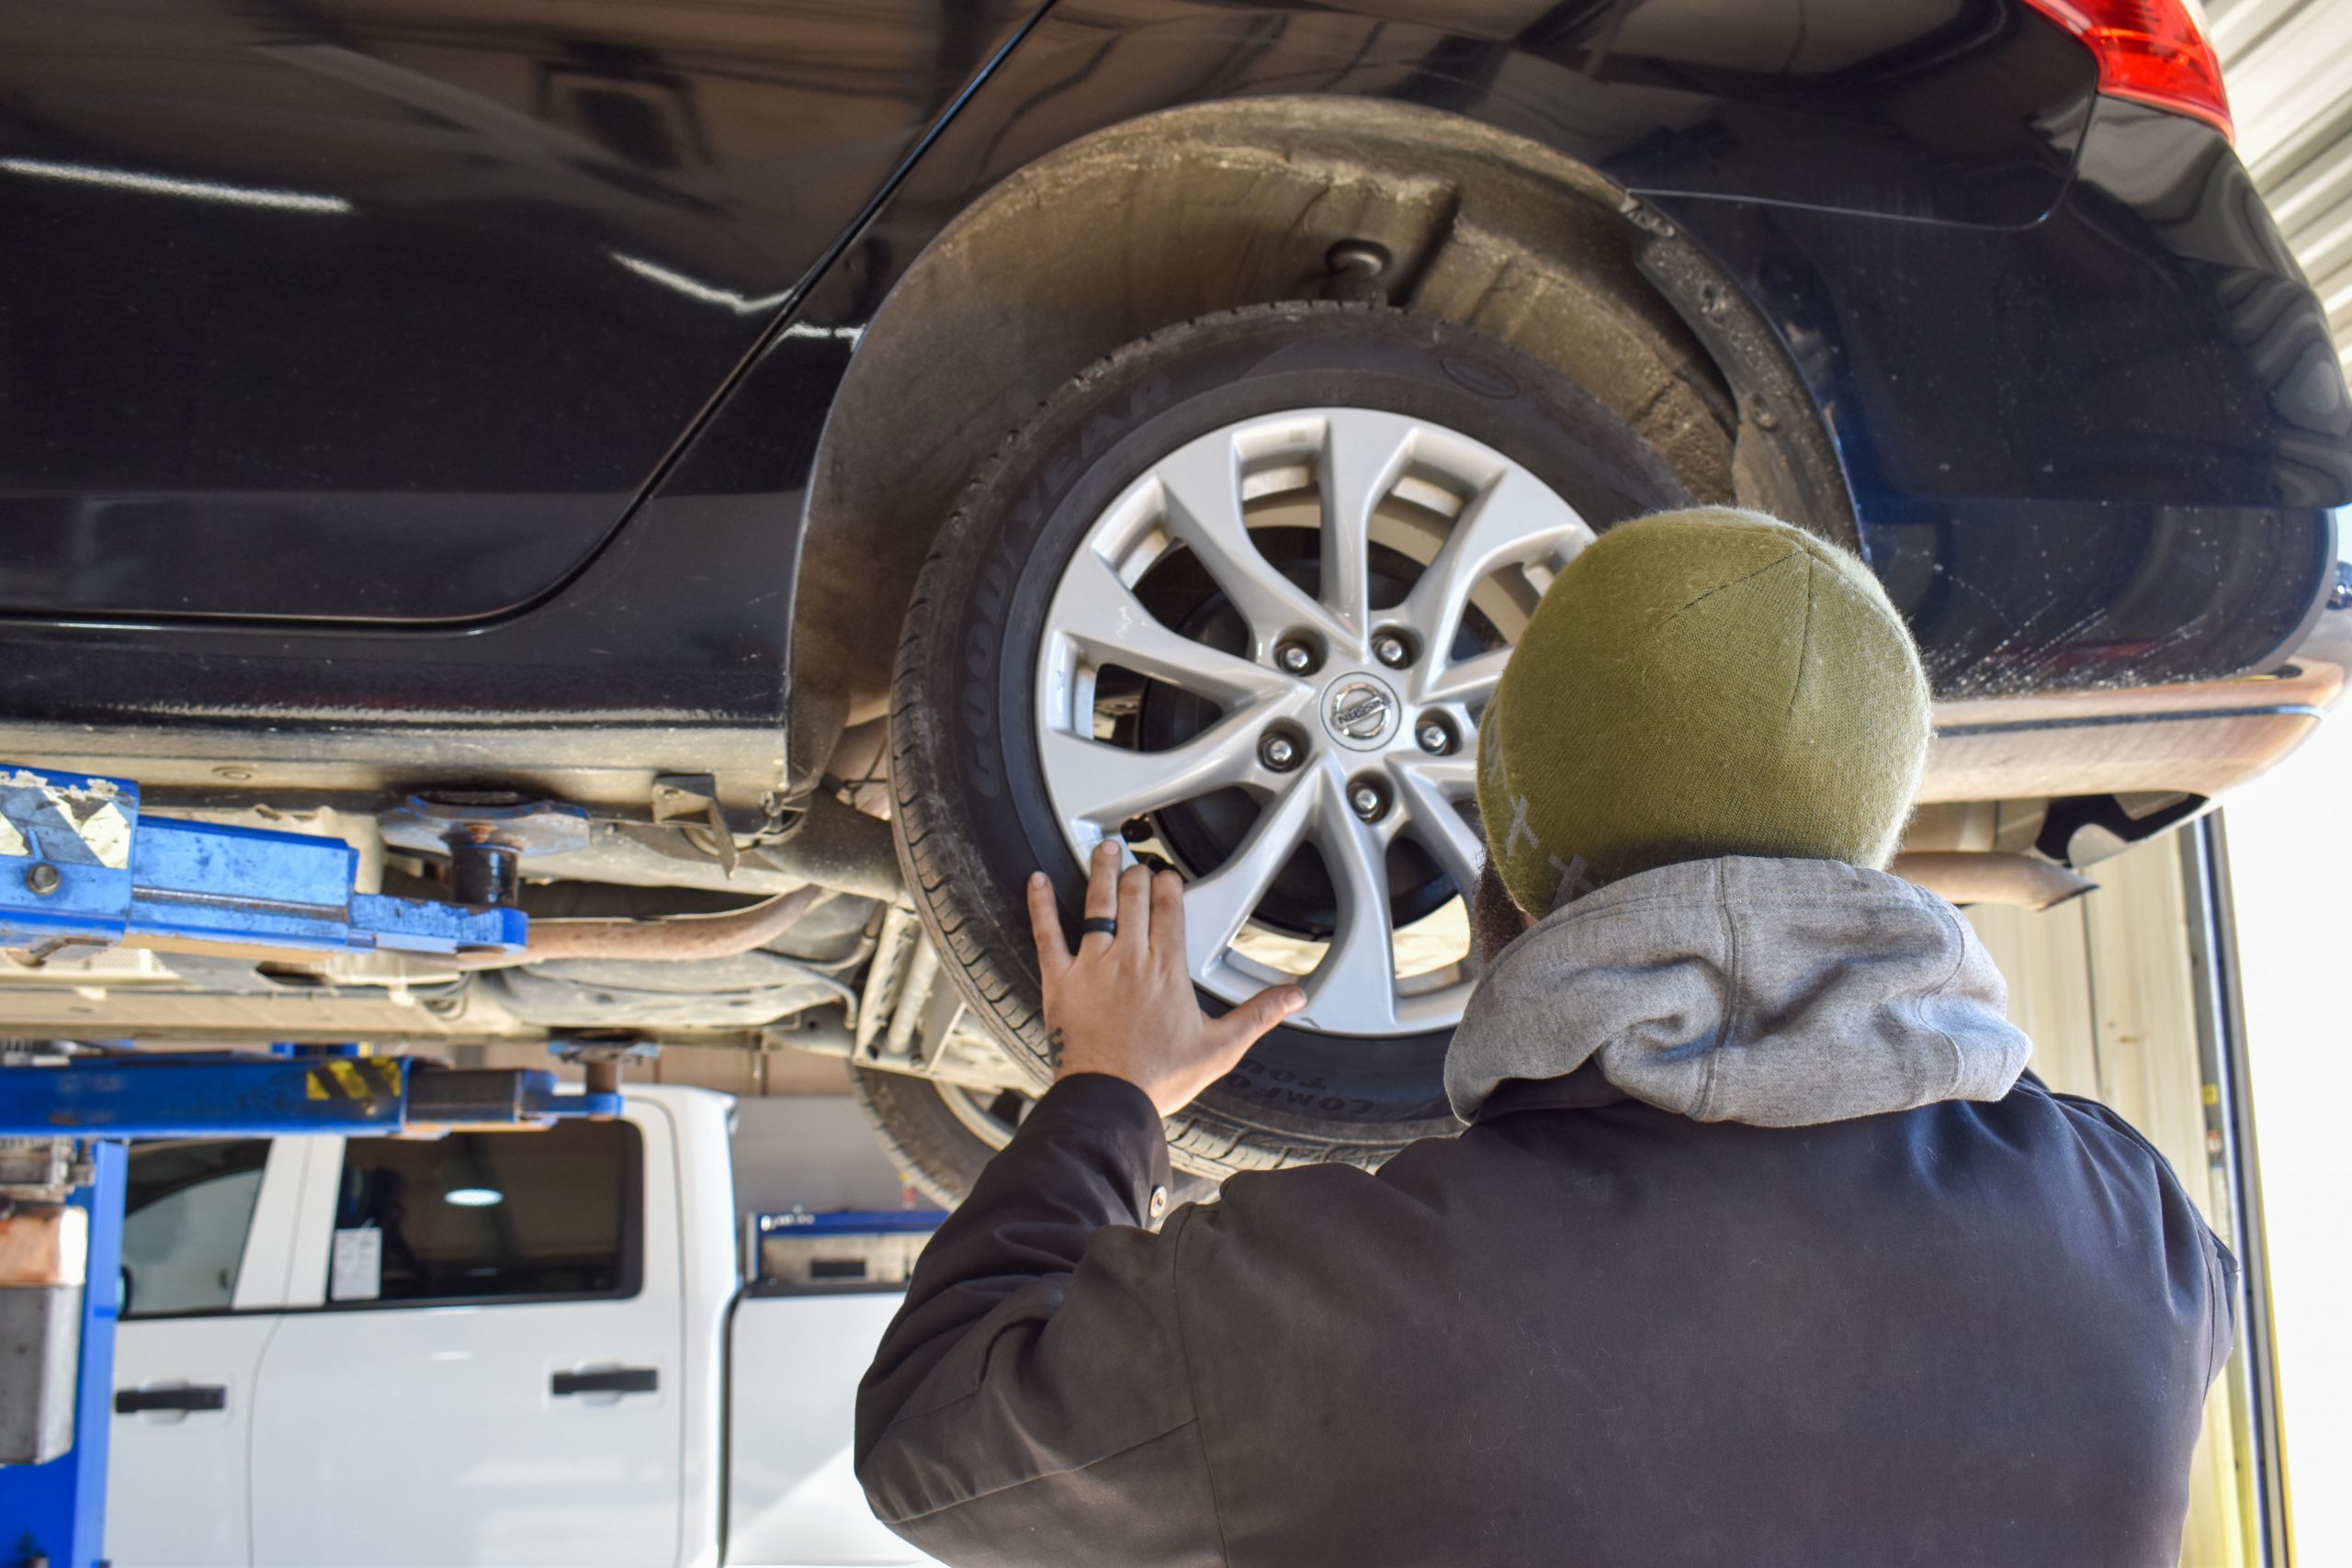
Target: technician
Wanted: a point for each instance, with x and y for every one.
(1759, 1246)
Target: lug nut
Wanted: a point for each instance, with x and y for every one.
(1278, 751)
(1295, 657)
(1367, 800)
(1391, 651)
(1435, 738)
(41, 877)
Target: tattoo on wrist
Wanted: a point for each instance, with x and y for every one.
(1054, 1049)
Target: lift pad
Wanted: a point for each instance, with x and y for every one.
(79, 864)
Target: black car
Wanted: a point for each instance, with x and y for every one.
(433, 420)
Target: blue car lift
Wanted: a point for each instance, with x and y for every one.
(80, 866)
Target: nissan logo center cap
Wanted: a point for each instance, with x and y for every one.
(1360, 712)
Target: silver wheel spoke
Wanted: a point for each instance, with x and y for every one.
(1203, 486)
(1514, 520)
(1105, 619)
(1217, 906)
(1361, 460)
(1431, 791)
(1358, 975)
(1103, 784)
(1470, 681)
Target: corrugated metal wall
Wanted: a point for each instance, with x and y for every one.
(2289, 67)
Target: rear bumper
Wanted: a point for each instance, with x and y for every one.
(2198, 738)
(2105, 449)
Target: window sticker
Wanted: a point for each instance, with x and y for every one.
(356, 1273)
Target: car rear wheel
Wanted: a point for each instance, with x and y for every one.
(1238, 596)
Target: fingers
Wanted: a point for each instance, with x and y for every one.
(1101, 893)
(1168, 920)
(1243, 1027)
(1133, 899)
(1046, 927)
(1135, 909)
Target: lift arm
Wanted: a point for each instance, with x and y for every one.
(78, 864)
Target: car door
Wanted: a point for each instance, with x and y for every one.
(486, 1371)
(204, 1235)
(384, 309)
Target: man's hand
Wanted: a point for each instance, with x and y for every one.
(1123, 1004)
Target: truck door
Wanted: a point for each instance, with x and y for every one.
(203, 1260)
(487, 1369)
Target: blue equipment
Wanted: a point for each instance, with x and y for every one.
(221, 1095)
(796, 1252)
(80, 866)
(55, 1510)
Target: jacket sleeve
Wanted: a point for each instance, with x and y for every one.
(1030, 1404)
(2219, 1263)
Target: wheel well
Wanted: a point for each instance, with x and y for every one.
(1205, 209)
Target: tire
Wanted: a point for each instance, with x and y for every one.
(938, 1145)
(973, 815)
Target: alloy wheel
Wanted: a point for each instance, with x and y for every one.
(1265, 665)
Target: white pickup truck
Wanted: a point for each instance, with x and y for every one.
(489, 1348)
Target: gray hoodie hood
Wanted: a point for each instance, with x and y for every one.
(1778, 992)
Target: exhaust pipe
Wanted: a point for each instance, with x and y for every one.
(677, 939)
(1992, 876)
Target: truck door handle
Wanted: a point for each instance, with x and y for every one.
(134, 1401)
(615, 1379)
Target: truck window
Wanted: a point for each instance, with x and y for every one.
(186, 1212)
(489, 1216)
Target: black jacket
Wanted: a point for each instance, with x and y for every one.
(1963, 1334)
(1977, 1328)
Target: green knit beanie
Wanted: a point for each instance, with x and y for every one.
(1700, 684)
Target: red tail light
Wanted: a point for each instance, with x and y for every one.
(2154, 50)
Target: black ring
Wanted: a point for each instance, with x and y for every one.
(1103, 925)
